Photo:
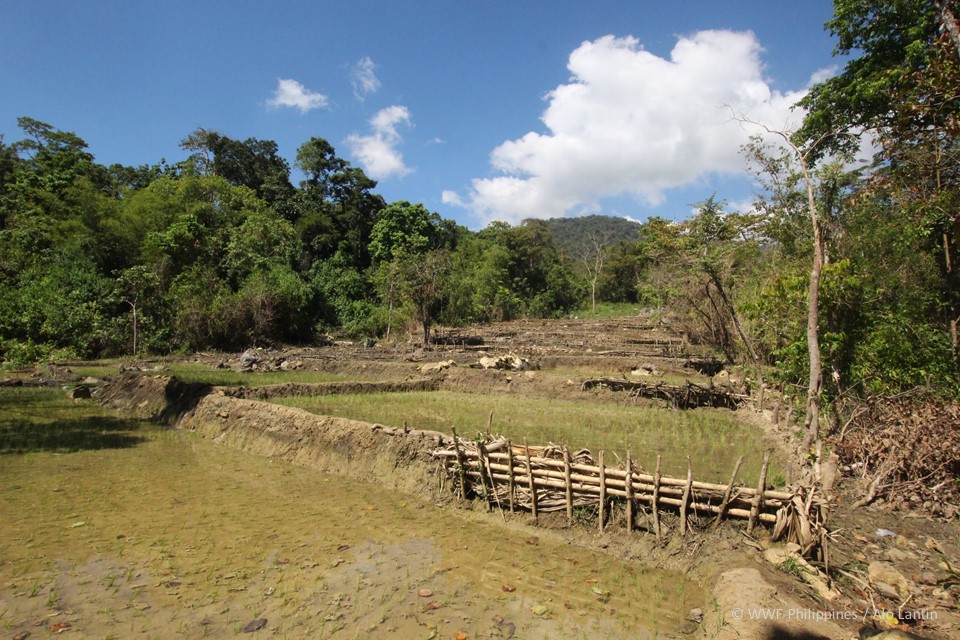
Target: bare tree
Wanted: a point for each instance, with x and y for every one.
(803, 156)
(593, 259)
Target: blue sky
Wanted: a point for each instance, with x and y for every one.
(480, 110)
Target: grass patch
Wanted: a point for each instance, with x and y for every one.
(711, 437)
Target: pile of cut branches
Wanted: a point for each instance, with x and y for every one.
(907, 450)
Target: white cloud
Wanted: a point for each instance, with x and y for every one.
(451, 198)
(291, 93)
(631, 123)
(363, 78)
(378, 152)
(823, 74)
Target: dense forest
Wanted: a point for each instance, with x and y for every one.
(839, 280)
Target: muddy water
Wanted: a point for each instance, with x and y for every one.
(177, 537)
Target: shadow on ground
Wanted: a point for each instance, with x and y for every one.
(776, 632)
(89, 433)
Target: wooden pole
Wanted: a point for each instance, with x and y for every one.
(569, 485)
(462, 468)
(686, 499)
(603, 491)
(533, 489)
(511, 483)
(656, 498)
(755, 507)
(629, 490)
(485, 480)
(726, 494)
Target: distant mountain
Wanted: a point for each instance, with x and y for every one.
(573, 234)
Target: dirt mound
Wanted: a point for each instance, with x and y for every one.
(161, 398)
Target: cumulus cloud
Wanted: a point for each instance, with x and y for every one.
(363, 78)
(377, 152)
(291, 93)
(631, 123)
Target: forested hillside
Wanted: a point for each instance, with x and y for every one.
(837, 280)
(577, 236)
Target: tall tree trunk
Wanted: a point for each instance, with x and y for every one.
(812, 421)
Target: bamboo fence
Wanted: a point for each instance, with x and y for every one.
(542, 479)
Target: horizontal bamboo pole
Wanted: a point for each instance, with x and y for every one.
(639, 488)
(621, 474)
(595, 491)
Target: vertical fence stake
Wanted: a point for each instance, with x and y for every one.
(603, 491)
(463, 471)
(628, 485)
(686, 499)
(511, 482)
(726, 494)
(656, 497)
(568, 485)
(758, 499)
(485, 480)
(533, 488)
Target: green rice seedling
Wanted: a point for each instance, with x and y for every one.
(713, 436)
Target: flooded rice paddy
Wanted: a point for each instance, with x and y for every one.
(125, 529)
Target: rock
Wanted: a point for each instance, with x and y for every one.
(645, 370)
(249, 358)
(926, 578)
(933, 545)
(896, 555)
(255, 625)
(885, 573)
(78, 393)
(780, 554)
(437, 367)
(696, 615)
(507, 362)
(886, 590)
